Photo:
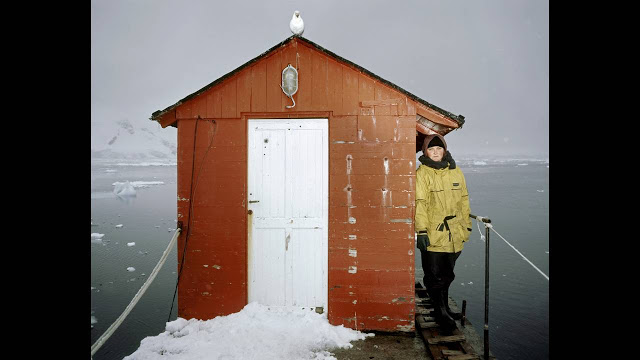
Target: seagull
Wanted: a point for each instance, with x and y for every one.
(296, 25)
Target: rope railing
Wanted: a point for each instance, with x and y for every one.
(105, 336)
(485, 238)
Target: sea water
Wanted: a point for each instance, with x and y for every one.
(513, 193)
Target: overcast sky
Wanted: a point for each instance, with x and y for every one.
(486, 60)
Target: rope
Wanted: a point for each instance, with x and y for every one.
(519, 253)
(134, 301)
(490, 226)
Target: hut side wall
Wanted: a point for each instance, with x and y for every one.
(371, 188)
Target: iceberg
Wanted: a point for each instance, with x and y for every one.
(124, 189)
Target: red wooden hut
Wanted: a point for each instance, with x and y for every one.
(309, 205)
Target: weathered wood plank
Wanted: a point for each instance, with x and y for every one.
(229, 98)
(259, 87)
(427, 325)
(274, 80)
(423, 311)
(350, 103)
(320, 91)
(464, 344)
(435, 116)
(367, 103)
(243, 89)
(445, 339)
(463, 357)
(452, 352)
(305, 78)
(428, 318)
(334, 73)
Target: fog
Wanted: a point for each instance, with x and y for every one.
(485, 60)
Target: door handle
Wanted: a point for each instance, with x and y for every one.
(253, 201)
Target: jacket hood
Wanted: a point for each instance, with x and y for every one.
(428, 139)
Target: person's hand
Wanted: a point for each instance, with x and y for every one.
(423, 241)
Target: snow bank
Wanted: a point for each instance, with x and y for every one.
(255, 332)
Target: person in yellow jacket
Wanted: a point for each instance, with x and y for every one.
(442, 223)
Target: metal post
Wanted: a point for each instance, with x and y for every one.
(464, 313)
(486, 297)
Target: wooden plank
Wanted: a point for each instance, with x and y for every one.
(274, 80)
(259, 87)
(334, 74)
(464, 344)
(446, 339)
(452, 352)
(382, 92)
(427, 325)
(243, 89)
(366, 89)
(435, 116)
(463, 357)
(434, 349)
(305, 79)
(368, 103)
(424, 311)
(350, 103)
(320, 92)
(229, 98)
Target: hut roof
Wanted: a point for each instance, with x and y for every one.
(159, 113)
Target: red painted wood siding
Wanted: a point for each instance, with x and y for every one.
(371, 181)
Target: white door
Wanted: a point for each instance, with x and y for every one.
(288, 176)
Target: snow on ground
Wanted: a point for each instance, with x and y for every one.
(256, 332)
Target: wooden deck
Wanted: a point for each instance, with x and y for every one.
(452, 347)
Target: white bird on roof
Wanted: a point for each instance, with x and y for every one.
(296, 25)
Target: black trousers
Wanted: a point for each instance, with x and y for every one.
(438, 269)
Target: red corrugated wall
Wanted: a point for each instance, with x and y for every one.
(371, 180)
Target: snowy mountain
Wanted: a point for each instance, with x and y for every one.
(126, 140)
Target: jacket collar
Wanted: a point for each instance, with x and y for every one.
(447, 161)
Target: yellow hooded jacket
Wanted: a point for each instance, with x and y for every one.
(442, 208)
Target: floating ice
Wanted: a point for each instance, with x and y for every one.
(522, 164)
(94, 320)
(131, 244)
(540, 190)
(119, 225)
(479, 163)
(124, 189)
(131, 268)
(96, 238)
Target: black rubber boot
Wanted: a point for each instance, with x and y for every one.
(445, 299)
(446, 322)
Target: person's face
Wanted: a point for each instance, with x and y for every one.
(435, 153)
